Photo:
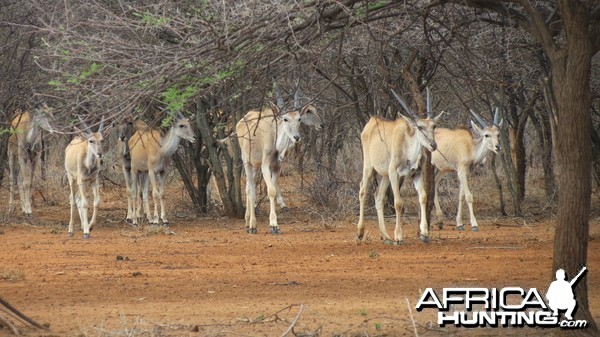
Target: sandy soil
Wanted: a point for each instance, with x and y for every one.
(207, 277)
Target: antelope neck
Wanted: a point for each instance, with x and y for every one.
(170, 142)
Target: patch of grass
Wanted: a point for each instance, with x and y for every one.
(378, 326)
(373, 254)
(154, 230)
(11, 275)
(362, 312)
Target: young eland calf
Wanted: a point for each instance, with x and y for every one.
(394, 150)
(83, 160)
(150, 152)
(24, 147)
(459, 151)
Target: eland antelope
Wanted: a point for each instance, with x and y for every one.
(264, 138)
(83, 161)
(24, 147)
(125, 130)
(309, 118)
(150, 152)
(459, 151)
(394, 149)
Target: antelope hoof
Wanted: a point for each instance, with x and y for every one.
(284, 209)
(70, 234)
(274, 230)
(252, 231)
(389, 242)
(129, 220)
(475, 229)
(460, 228)
(440, 225)
(86, 236)
(27, 216)
(398, 243)
(424, 239)
(165, 223)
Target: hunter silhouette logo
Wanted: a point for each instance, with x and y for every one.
(560, 294)
(506, 307)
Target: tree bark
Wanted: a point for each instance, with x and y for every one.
(571, 69)
(543, 130)
(498, 184)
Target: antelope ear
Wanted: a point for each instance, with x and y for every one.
(409, 120)
(275, 109)
(476, 128)
(80, 133)
(307, 109)
(437, 118)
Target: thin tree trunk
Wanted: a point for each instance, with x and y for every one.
(187, 181)
(510, 173)
(498, 184)
(3, 155)
(545, 138)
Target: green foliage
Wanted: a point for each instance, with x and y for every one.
(362, 12)
(57, 85)
(176, 98)
(378, 326)
(223, 74)
(93, 69)
(151, 19)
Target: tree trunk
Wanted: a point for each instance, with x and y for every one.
(498, 184)
(571, 69)
(543, 130)
(510, 173)
(228, 181)
(3, 155)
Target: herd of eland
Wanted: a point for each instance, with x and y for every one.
(394, 149)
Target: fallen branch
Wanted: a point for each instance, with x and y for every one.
(411, 318)
(7, 323)
(21, 316)
(291, 327)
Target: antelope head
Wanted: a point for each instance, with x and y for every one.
(290, 125)
(308, 112)
(289, 121)
(42, 113)
(183, 128)
(488, 133)
(125, 129)
(424, 127)
(94, 140)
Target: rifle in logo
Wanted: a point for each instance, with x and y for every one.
(560, 294)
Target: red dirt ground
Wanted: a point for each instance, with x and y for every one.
(207, 277)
